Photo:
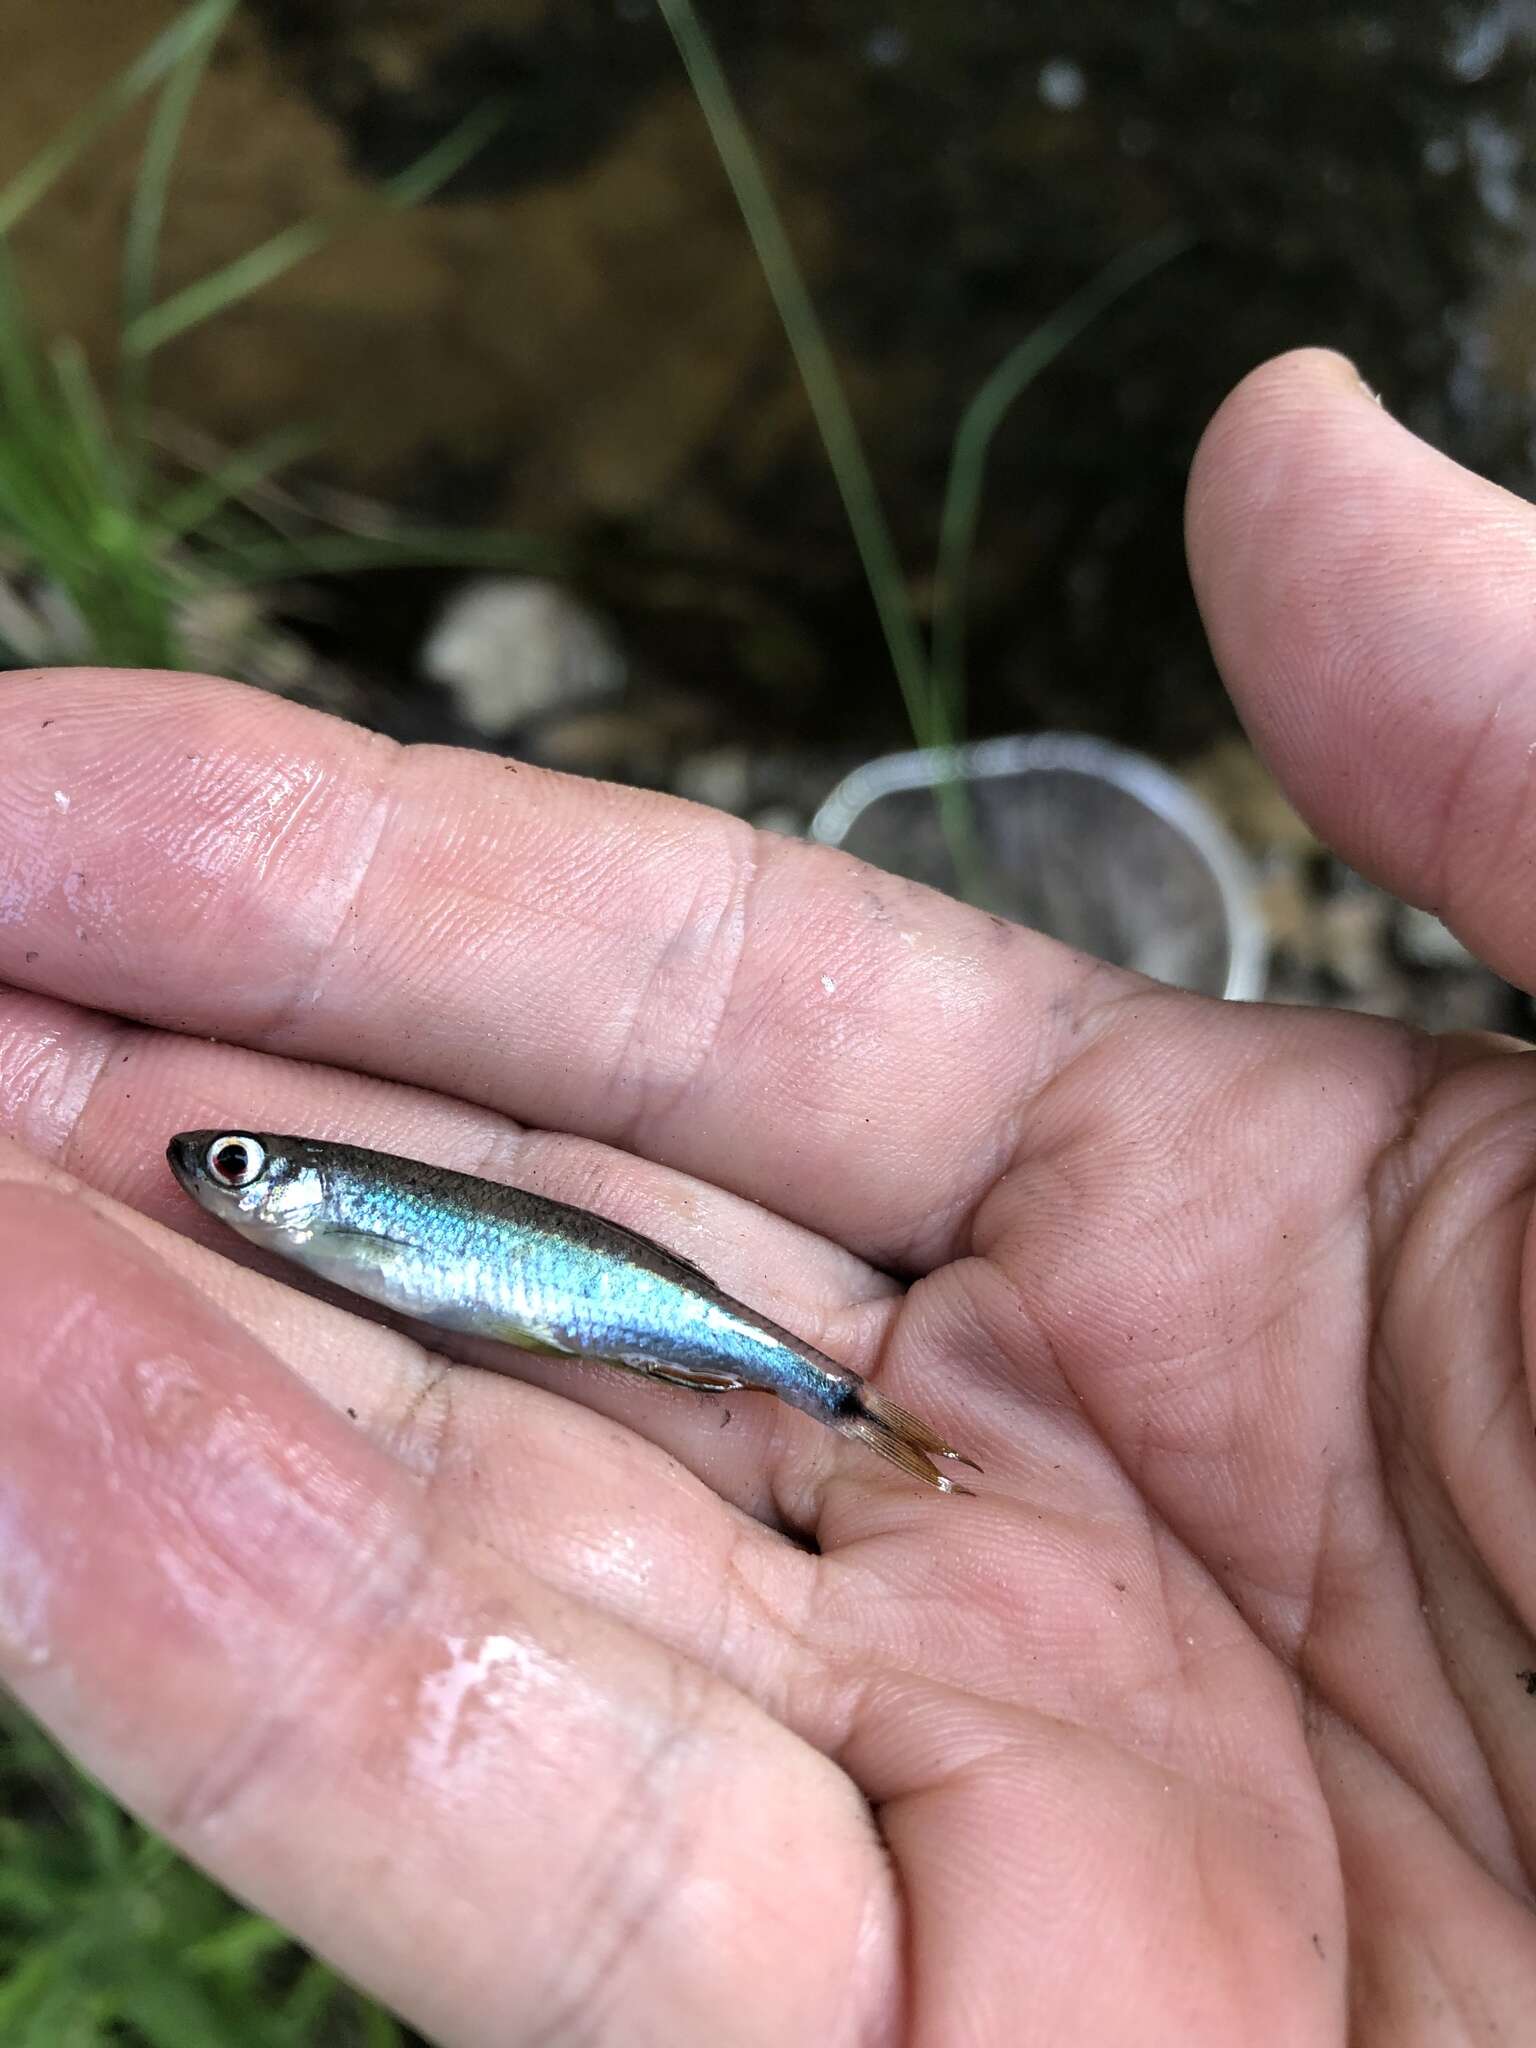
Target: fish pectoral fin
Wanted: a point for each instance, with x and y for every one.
(700, 1378)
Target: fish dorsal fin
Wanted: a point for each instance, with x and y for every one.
(664, 1251)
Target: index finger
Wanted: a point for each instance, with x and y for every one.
(841, 1045)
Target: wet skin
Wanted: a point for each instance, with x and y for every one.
(649, 1718)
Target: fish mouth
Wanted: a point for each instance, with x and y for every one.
(184, 1156)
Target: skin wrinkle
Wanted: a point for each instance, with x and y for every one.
(1436, 1482)
(306, 987)
(384, 1594)
(1391, 1186)
(1033, 1103)
(1512, 1393)
(375, 1566)
(1398, 1470)
(230, 1778)
(989, 1757)
(1122, 1460)
(1516, 1853)
(951, 1233)
(301, 797)
(654, 1102)
(1160, 1541)
(1519, 1846)
(1376, 1964)
(121, 1038)
(1325, 1581)
(79, 1079)
(1040, 1335)
(1314, 1694)
(649, 1823)
(428, 1443)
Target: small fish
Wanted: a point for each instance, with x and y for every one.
(494, 1261)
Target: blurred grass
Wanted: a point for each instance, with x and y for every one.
(930, 674)
(109, 1940)
(122, 551)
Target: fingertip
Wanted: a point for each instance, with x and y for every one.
(1281, 408)
(1298, 381)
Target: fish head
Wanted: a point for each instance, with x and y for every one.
(256, 1181)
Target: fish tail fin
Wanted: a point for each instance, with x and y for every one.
(888, 1429)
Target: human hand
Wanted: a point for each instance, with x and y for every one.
(1201, 1724)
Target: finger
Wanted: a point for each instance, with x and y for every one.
(101, 1098)
(1369, 604)
(773, 1017)
(258, 1630)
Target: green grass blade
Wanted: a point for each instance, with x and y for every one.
(377, 2029)
(314, 1991)
(185, 511)
(146, 213)
(236, 280)
(25, 1986)
(166, 2007)
(237, 1949)
(20, 383)
(104, 1827)
(65, 506)
(431, 171)
(340, 554)
(973, 439)
(813, 356)
(147, 69)
(86, 435)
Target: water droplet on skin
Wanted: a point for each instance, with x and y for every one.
(24, 1635)
(481, 1680)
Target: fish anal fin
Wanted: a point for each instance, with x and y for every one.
(700, 1379)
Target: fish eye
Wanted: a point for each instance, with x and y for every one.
(235, 1161)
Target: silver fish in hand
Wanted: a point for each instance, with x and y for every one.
(487, 1260)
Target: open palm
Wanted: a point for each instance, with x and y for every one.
(644, 1718)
